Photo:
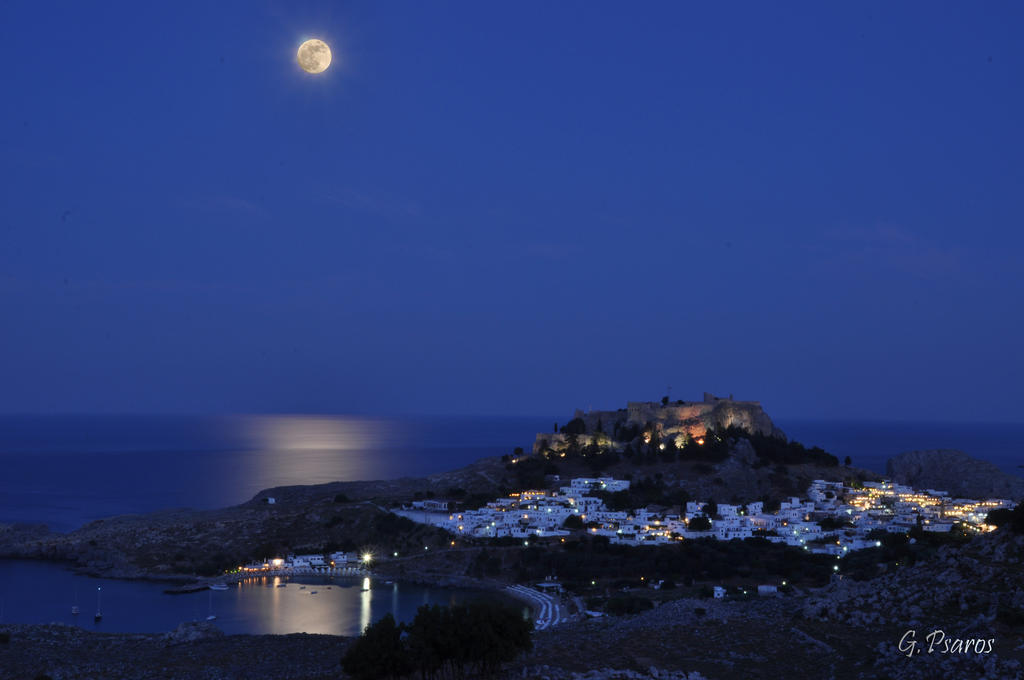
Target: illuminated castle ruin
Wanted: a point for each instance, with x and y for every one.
(677, 420)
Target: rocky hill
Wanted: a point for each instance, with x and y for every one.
(665, 421)
(954, 472)
(352, 515)
(968, 591)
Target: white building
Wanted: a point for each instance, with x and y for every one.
(584, 484)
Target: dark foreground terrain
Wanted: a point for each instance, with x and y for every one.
(848, 630)
(192, 651)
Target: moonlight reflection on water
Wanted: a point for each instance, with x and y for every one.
(300, 449)
(68, 470)
(40, 592)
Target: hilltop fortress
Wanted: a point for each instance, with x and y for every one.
(647, 420)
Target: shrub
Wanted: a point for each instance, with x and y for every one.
(390, 525)
(832, 523)
(1008, 519)
(378, 653)
(778, 450)
(574, 426)
(573, 522)
(5, 638)
(700, 523)
(478, 638)
(630, 604)
(1010, 616)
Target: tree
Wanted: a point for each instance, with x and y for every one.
(575, 426)
(478, 638)
(700, 523)
(451, 642)
(664, 401)
(573, 522)
(378, 653)
(847, 461)
(1008, 519)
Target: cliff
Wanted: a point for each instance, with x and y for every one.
(954, 472)
(642, 420)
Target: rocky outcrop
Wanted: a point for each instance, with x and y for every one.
(954, 472)
(191, 631)
(676, 421)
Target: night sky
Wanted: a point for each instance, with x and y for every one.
(521, 208)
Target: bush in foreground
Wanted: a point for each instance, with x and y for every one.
(450, 642)
(1005, 518)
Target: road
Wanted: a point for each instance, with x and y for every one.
(550, 612)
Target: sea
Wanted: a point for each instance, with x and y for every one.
(65, 471)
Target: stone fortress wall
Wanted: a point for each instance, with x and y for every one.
(675, 419)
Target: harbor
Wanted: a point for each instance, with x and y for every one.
(345, 601)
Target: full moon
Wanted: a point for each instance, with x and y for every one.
(314, 56)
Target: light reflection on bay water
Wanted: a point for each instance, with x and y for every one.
(295, 449)
(37, 592)
(68, 470)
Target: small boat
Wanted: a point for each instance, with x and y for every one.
(313, 592)
(281, 585)
(211, 616)
(218, 586)
(302, 587)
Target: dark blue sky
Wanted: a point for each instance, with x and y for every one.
(518, 207)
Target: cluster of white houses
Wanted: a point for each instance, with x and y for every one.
(306, 564)
(834, 518)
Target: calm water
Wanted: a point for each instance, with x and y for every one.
(37, 592)
(66, 471)
(870, 445)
